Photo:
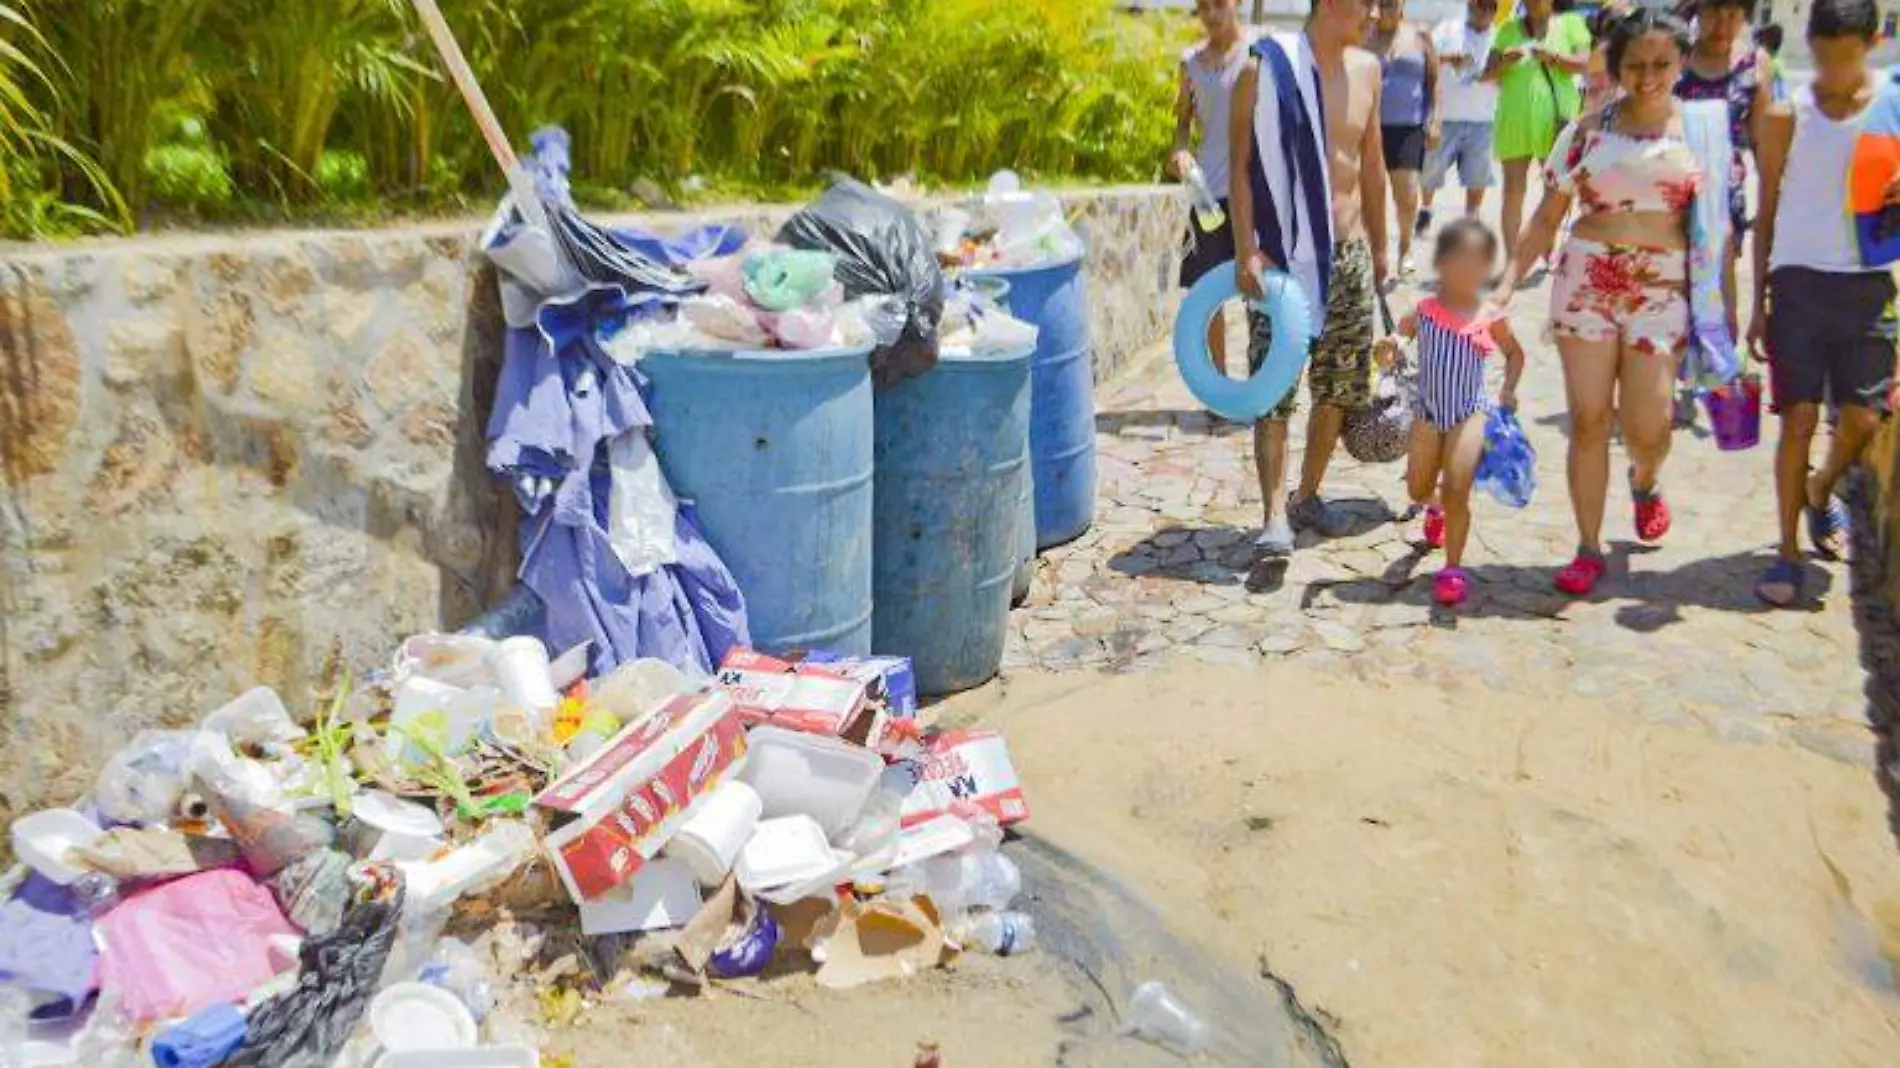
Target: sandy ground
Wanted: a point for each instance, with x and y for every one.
(1446, 878)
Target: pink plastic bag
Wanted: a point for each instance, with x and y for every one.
(189, 944)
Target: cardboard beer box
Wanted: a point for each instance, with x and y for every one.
(626, 800)
(814, 698)
(887, 679)
(961, 770)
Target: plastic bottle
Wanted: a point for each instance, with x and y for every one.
(1000, 934)
(979, 878)
(1207, 209)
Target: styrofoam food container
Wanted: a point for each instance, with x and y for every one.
(417, 1016)
(41, 839)
(712, 839)
(784, 851)
(662, 894)
(408, 831)
(522, 669)
(796, 773)
(480, 1057)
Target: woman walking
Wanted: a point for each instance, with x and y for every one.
(1408, 110)
(1535, 59)
(1620, 304)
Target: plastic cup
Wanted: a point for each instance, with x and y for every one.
(522, 670)
(1156, 1015)
(710, 842)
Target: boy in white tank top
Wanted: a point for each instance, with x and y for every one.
(1828, 323)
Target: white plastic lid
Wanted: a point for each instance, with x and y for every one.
(392, 815)
(417, 1016)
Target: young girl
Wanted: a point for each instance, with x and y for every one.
(1448, 430)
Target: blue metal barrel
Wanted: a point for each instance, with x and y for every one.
(774, 448)
(952, 455)
(1062, 396)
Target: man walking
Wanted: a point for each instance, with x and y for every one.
(1307, 192)
(1468, 104)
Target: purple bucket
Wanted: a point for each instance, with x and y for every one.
(1735, 413)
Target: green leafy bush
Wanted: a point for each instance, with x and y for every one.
(192, 177)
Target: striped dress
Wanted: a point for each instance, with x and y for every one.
(1451, 355)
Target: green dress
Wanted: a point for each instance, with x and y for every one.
(1536, 99)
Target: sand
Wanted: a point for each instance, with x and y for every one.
(1447, 879)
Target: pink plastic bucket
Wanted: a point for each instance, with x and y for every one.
(1735, 413)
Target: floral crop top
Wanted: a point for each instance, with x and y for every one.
(1610, 171)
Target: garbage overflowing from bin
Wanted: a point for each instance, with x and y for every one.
(470, 847)
(1007, 227)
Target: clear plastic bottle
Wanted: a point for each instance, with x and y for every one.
(980, 878)
(1000, 934)
(1207, 209)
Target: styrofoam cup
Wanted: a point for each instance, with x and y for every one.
(521, 668)
(710, 842)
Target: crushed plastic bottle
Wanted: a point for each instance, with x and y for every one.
(1207, 209)
(458, 969)
(1000, 934)
(979, 878)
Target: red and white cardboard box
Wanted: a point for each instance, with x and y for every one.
(961, 770)
(810, 697)
(626, 800)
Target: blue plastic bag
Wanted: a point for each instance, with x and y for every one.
(1508, 468)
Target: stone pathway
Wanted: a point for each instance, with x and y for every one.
(1674, 633)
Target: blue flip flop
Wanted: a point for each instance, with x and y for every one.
(1781, 573)
(1826, 522)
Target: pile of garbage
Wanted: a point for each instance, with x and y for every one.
(478, 843)
(1007, 227)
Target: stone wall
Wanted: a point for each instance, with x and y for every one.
(229, 458)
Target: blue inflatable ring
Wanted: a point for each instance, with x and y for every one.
(1243, 401)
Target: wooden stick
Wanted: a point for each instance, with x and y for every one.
(526, 198)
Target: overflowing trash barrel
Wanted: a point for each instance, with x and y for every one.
(996, 290)
(774, 448)
(952, 456)
(1054, 298)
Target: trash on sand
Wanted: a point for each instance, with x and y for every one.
(810, 775)
(450, 717)
(202, 1041)
(417, 1016)
(436, 884)
(663, 894)
(785, 852)
(1155, 1014)
(480, 1057)
(888, 680)
(404, 830)
(965, 771)
(1000, 934)
(153, 853)
(710, 842)
(46, 841)
(622, 803)
(183, 946)
(731, 936)
(774, 692)
(523, 672)
(877, 940)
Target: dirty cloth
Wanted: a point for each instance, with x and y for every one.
(560, 405)
(46, 945)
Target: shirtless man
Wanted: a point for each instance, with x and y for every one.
(1339, 372)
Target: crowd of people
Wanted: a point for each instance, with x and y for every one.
(1304, 132)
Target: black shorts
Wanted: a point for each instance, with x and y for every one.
(1404, 147)
(1831, 337)
(1210, 249)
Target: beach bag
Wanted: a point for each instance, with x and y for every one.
(1381, 432)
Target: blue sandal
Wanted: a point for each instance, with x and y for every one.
(1827, 523)
(1781, 573)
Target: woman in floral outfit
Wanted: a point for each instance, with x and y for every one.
(1620, 302)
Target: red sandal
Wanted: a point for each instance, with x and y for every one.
(1652, 512)
(1579, 577)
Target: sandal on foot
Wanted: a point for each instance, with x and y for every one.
(1780, 585)
(1432, 529)
(1579, 577)
(1451, 587)
(1827, 528)
(1652, 512)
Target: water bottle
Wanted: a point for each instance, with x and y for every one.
(1207, 210)
(1001, 934)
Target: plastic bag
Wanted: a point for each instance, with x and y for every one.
(186, 945)
(881, 250)
(1508, 468)
(339, 975)
(780, 279)
(143, 782)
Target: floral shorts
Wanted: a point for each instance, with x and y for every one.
(1639, 296)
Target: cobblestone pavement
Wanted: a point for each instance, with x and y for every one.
(1674, 633)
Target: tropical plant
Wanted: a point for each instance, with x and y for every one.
(34, 159)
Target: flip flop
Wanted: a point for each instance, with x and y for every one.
(1782, 573)
(1826, 524)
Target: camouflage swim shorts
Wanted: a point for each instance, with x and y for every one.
(1339, 370)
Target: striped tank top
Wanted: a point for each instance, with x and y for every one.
(1451, 355)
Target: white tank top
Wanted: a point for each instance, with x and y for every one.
(1212, 88)
(1812, 228)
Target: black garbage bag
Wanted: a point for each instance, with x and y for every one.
(337, 978)
(882, 250)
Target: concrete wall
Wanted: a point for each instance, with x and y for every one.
(229, 458)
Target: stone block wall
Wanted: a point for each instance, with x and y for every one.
(229, 458)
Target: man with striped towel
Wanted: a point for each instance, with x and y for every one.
(1309, 199)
